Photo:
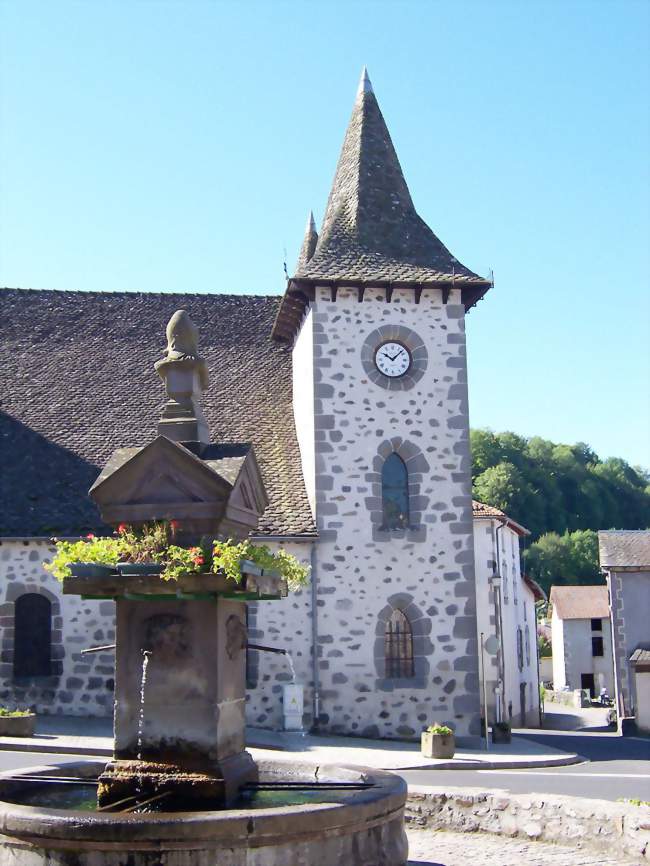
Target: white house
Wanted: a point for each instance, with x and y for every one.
(506, 610)
(625, 560)
(581, 637)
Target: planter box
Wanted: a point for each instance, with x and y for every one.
(437, 745)
(137, 569)
(91, 570)
(201, 585)
(17, 726)
(500, 735)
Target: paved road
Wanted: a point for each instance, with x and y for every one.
(615, 768)
(431, 848)
(14, 760)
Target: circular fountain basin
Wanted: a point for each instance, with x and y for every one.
(333, 827)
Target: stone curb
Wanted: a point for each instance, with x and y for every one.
(597, 825)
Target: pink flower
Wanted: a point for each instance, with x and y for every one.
(90, 535)
(123, 527)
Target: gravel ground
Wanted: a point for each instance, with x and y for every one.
(441, 848)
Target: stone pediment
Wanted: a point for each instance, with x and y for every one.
(166, 480)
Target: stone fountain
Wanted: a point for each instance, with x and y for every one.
(180, 685)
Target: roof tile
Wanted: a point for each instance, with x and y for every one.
(77, 382)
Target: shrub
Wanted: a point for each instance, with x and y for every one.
(443, 730)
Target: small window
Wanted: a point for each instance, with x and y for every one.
(32, 636)
(504, 575)
(520, 649)
(395, 493)
(398, 646)
(596, 625)
(597, 646)
(527, 637)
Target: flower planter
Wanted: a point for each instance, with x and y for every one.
(138, 569)
(501, 733)
(91, 569)
(248, 567)
(437, 745)
(17, 726)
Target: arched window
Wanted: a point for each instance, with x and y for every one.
(398, 646)
(32, 636)
(395, 493)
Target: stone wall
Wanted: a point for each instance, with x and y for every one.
(77, 685)
(283, 624)
(363, 570)
(620, 831)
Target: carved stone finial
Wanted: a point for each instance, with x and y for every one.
(185, 375)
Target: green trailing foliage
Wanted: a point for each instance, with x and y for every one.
(154, 543)
(442, 730)
(6, 713)
(563, 494)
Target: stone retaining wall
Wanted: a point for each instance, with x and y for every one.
(620, 829)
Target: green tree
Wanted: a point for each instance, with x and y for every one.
(560, 559)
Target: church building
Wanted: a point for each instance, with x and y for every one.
(352, 388)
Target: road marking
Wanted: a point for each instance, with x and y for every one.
(566, 775)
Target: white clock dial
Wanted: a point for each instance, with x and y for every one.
(392, 359)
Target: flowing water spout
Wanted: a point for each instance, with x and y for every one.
(143, 683)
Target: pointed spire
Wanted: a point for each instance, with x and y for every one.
(365, 84)
(309, 242)
(371, 231)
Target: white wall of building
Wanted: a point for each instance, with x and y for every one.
(642, 689)
(557, 642)
(630, 602)
(573, 649)
(521, 705)
(303, 402)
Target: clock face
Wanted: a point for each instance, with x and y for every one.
(392, 359)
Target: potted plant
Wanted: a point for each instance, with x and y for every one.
(501, 732)
(16, 723)
(89, 557)
(438, 742)
(142, 550)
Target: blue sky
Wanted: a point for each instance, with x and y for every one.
(178, 146)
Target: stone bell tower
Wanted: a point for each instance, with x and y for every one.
(375, 315)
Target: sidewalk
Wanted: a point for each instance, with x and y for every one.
(87, 736)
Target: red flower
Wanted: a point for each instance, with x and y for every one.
(123, 527)
(173, 525)
(90, 535)
(198, 560)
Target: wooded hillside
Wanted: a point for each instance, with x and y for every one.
(563, 494)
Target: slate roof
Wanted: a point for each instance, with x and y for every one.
(624, 548)
(77, 382)
(580, 602)
(371, 231)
